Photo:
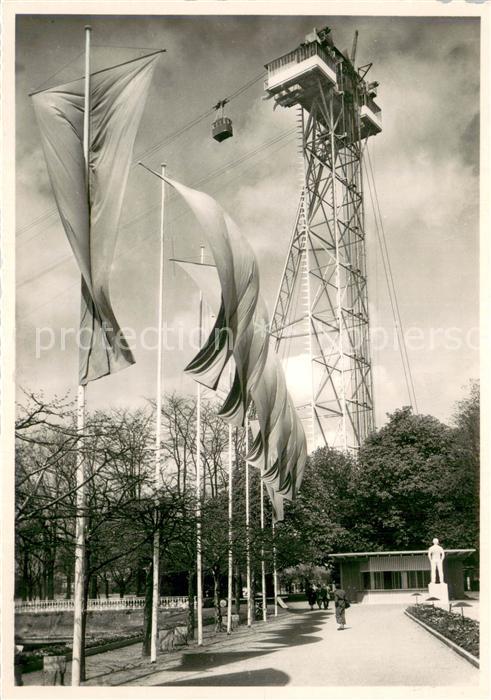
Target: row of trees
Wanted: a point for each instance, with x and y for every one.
(119, 450)
(413, 479)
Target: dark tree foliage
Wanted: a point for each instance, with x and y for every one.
(318, 522)
(414, 479)
(418, 479)
(400, 481)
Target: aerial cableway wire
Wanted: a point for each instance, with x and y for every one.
(199, 183)
(169, 139)
(382, 241)
(214, 174)
(144, 154)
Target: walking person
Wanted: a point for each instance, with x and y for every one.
(324, 596)
(341, 603)
(311, 596)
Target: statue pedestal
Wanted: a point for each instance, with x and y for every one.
(440, 591)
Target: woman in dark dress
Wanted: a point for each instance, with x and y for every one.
(341, 602)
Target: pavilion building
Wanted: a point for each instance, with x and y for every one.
(394, 577)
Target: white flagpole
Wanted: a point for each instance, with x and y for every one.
(230, 534)
(275, 573)
(158, 429)
(199, 566)
(263, 569)
(248, 534)
(80, 519)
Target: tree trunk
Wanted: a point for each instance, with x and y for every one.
(122, 589)
(25, 576)
(94, 589)
(147, 613)
(50, 575)
(84, 614)
(216, 598)
(68, 592)
(252, 594)
(238, 590)
(31, 591)
(191, 590)
(106, 587)
(43, 588)
(140, 582)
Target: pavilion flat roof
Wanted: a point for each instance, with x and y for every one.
(345, 555)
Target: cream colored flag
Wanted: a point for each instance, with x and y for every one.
(91, 223)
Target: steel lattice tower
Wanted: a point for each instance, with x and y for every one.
(322, 304)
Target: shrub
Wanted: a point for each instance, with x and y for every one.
(461, 630)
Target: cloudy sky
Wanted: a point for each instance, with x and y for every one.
(426, 170)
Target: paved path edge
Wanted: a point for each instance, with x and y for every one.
(455, 647)
(215, 639)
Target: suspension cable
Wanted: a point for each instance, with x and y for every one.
(382, 241)
(215, 173)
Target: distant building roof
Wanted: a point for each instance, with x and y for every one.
(349, 555)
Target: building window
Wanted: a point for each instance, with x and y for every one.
(395, 580)
(418, 579)
(392, 580)
(378, 577)
(412, 579)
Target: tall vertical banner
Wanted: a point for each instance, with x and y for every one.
(117, 100)
(279, 449)
(88, 129)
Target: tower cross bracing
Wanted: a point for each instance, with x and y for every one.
(323, 297)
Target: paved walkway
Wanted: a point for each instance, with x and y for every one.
(472, 599)
(379, 647)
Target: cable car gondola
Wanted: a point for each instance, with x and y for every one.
(221, 128)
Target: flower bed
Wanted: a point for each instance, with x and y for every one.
(32, 660)
(461, 631)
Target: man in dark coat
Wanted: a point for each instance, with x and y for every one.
(323, 597)
(311, 596)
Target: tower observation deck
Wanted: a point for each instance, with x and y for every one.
(321, 312)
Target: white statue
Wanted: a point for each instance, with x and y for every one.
(436, 555)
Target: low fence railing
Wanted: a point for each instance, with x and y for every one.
(58, 605)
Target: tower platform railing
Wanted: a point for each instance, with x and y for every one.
(298, 55)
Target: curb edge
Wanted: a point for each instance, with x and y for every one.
(452, 645)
